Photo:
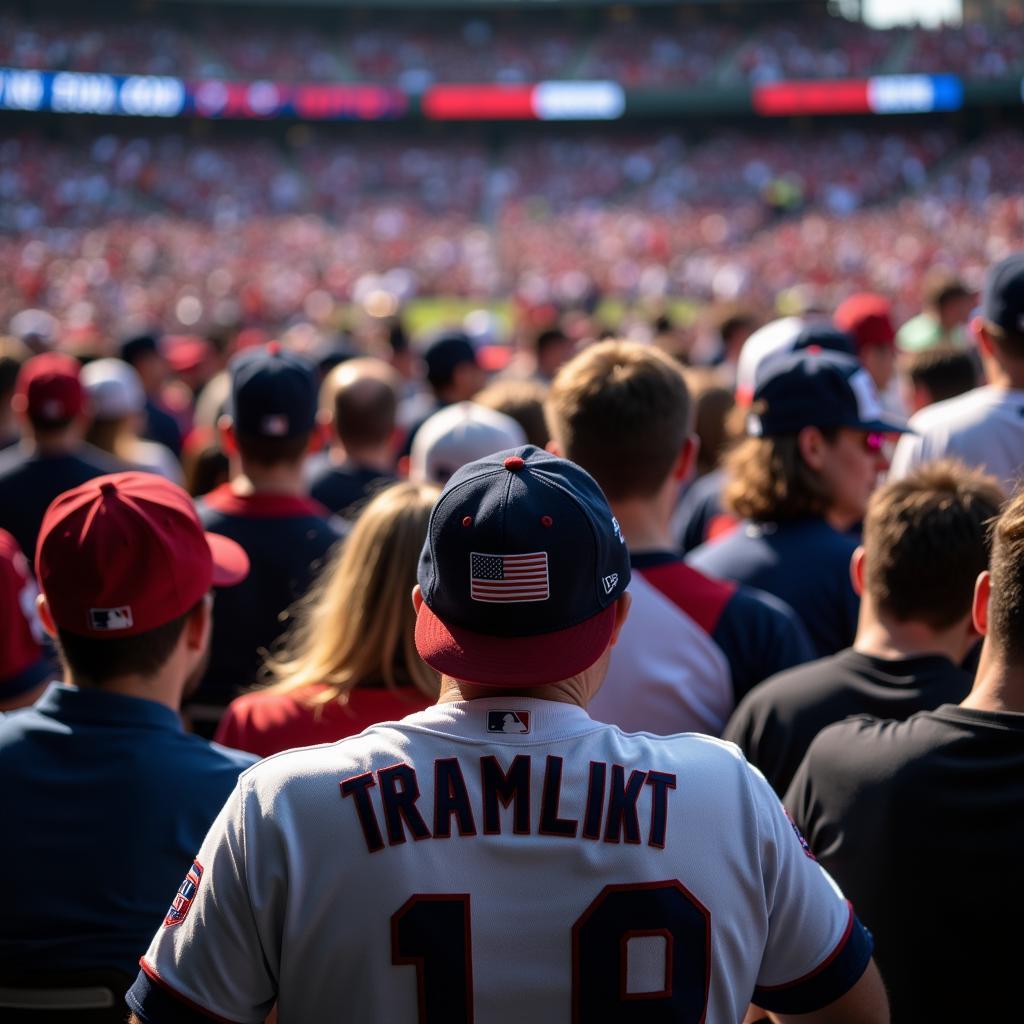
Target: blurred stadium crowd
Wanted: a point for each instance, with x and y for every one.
(635, 47)
(128, 228)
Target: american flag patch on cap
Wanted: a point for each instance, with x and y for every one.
(506, 579)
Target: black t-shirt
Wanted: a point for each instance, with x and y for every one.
(805, 563)
(776, 722)
(340, 487)
(29, 482)
(922, 825)
(287, 540)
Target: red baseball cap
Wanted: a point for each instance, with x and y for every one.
(868, 317)
(49, 388)
(125, 553)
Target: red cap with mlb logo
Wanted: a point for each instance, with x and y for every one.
(123, 554)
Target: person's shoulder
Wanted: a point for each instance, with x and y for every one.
(946, 414)
(750, 605)
(12, 460)
(796, 687)
(873, 751)
(205, 758)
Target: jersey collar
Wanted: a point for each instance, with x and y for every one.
(485, 719)
(262, 506)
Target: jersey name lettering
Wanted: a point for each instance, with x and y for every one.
(609, 813)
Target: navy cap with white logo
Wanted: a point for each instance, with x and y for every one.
(273, 393)
(520, 572)
(1002, 300)
(822, 389)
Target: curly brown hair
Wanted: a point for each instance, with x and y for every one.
(769, 481)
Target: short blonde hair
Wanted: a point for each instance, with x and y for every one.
(357, 623)
(622, 411)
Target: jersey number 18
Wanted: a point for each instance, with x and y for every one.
(433, 933)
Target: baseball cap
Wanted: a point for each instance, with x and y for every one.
(49, 387)
(37, 328)
(820, 389)
(185, 352)
(273, 392)
(457, 434)
(114, 389)
(138, 345)
(1002, 301)
(867, 317)
(520, 572)
(444, 353)
(779, 339)
(125, 553)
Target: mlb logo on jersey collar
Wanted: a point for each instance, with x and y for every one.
(508, 721)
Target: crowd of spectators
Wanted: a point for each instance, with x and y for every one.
(219, 232)
(634, 47)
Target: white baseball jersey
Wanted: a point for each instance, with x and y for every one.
(983, 428)
(501, 860)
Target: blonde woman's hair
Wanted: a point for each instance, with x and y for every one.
(356, 624)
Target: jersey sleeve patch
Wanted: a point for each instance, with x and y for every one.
(185, 895)
(830, 980)
(154, 1002)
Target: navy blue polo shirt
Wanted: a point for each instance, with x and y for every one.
(106, 800)
(287, 540)
(805, 563)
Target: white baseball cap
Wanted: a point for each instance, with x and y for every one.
(458, 434)
(114, 389)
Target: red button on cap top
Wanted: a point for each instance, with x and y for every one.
(514, 463)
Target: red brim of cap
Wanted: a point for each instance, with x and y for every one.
(513, 661)
(230, 562)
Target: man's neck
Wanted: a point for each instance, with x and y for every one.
(161, 689)
(1003, 376)
(286, 479)
(380, 458)
(644, 524)
(999, 684)
(50, 445)
(569, 691)
(883, 638)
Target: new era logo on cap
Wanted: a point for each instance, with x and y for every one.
(608, 582)
(508, 721)
(111, 618)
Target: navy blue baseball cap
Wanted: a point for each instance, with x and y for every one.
(818, 389)
(1002, 299)
(273, 393)
(520, 572)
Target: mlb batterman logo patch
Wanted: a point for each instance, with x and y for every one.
(508, 721)
(186, 894)
(111, 618)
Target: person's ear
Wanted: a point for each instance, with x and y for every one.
(45, 616)
(553, 448)
(686, 459)
(812, 447)
(981, 336)
(319, 437)
(857, 570)
(417, 598)
(622, 606)
(199, 624)
(226, 433)
(979, 610)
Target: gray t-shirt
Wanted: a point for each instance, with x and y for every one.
(984, 428)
